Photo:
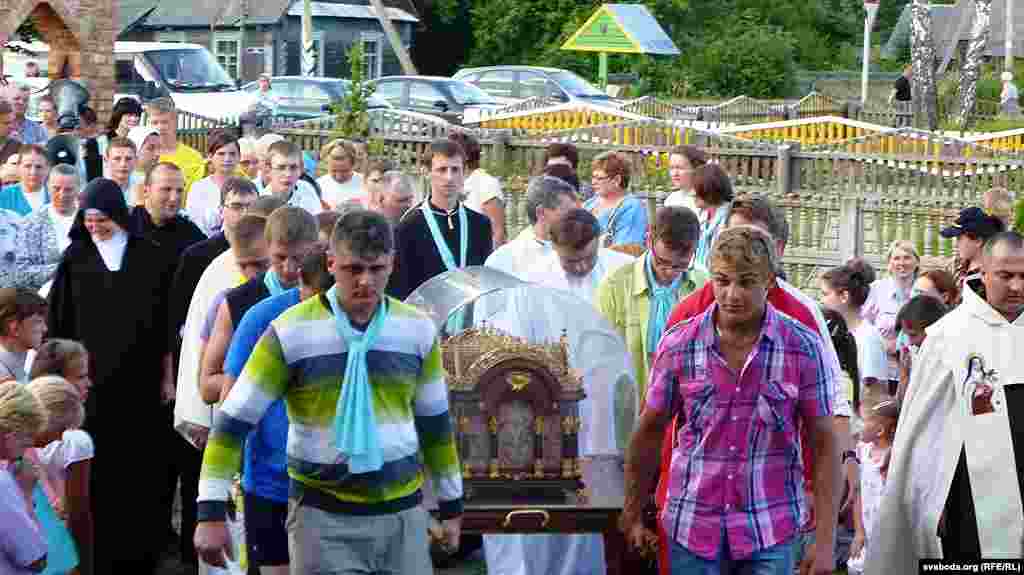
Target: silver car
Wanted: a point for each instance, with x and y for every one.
(522, 82)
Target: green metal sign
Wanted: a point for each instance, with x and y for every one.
(622, 29)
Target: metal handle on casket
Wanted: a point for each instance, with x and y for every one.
(543, 524)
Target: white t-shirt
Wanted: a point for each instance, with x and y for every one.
(75, 445)
(871, 358)
(204, 205)
(61, 227)
(35, 199)
(681, 199)
(336, 193)
(480, 188)
(304, 197)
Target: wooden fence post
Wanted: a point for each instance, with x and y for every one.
(851, 230)
(786, 173)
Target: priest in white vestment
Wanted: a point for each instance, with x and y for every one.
(547, 199)
(578, 264)
(954, 489)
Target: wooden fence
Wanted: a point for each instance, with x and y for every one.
(842, 199)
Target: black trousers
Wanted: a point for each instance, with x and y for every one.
(182, 465)
(960, 536)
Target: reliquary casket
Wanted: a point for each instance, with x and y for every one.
(516, 410)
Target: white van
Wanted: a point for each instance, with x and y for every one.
(188, 73)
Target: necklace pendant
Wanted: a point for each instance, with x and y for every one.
(451, 226)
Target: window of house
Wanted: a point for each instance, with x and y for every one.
(373, 47)
(228, 50)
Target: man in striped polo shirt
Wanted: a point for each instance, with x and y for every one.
(362, 381)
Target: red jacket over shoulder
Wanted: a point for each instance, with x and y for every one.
(695, 304)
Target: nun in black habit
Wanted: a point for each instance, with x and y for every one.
(111, 293)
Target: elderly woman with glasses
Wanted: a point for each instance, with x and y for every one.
(622, 216)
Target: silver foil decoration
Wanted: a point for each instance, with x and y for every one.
(922, 55)
(971, 69)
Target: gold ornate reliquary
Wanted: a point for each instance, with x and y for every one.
(515, 406)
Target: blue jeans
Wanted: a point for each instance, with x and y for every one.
(776, 560)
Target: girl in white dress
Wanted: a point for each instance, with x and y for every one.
(873, 450)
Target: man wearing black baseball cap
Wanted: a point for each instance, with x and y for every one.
(972, 228)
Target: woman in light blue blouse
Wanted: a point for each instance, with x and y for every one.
(712, 195)
(29, 194)
(622, 216)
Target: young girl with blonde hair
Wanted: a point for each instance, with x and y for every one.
(22, 542)
(66, 358)
(64, 453)
(873, 450)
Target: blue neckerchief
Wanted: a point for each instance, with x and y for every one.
(273, 283)
(662, 300)
(442, 246)
(355, 423)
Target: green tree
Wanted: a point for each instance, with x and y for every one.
(755, 59)
(353, 120)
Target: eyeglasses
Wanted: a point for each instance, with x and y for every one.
(238, 206)
(247, 162)
(667, 264)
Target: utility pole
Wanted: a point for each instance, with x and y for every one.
(393, 38)
(1010, 28)
(870, 12)
(309, 55)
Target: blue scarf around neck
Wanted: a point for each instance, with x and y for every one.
(663, 298)
(355, 423)
(442, 246)
(273, 283)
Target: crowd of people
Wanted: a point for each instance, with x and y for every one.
(226, 325)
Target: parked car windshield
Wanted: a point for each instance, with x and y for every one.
(190, 69)
(466, 94)
(576, 86)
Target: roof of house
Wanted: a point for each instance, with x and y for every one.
(131, 12)
(200, 13)
(358, 11)
(946, 21)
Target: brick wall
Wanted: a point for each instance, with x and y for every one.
(80, 34)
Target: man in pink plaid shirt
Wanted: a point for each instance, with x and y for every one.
(742, 375)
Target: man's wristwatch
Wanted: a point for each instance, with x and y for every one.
(850, 454)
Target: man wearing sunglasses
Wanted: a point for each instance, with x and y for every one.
(638, 298)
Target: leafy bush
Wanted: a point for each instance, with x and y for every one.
(757, 60)
(353, 121)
